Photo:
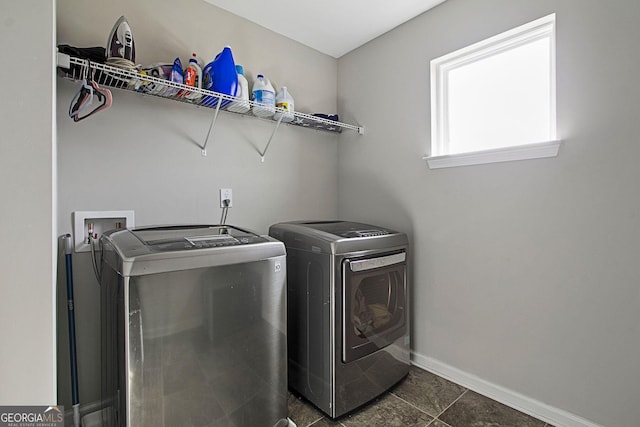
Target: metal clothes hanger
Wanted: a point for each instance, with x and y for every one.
(83, 98)
(103, 96)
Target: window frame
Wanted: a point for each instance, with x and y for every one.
(440, 67)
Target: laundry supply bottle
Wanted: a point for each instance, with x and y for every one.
(284, 100)
(177, 76)
(193, 77)
(241, 106)
(265, 96)
(220, 76)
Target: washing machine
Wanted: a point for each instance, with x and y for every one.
(193, 327)
(348, 311)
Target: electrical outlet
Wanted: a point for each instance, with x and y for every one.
(226, 194)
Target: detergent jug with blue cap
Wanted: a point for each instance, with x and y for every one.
(242, 105)
(265, 97)
(220, 76)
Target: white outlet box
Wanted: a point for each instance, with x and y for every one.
(226, 194)
(101, 221)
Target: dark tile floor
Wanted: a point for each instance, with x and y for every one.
(422, 399)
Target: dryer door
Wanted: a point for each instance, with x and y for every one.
(374, 303)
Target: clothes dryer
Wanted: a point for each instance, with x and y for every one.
(348, 311)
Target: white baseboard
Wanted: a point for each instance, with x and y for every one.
(522, 403)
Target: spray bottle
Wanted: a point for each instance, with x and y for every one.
(193, 77)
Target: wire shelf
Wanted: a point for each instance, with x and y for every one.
(132, 80)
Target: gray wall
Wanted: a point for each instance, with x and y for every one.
(142, 153)
(27, 177)
(525, 273)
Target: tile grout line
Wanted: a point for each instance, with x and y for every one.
(452, 403)
(412, 405)
(312, 423)
(442, 412)
(439, 421)
(425, 412)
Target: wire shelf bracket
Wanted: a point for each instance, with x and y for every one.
(211, 126)
(275, 129)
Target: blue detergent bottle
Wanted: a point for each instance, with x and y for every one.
(220, 76)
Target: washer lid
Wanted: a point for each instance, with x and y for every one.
(176, 238)
(140, 251)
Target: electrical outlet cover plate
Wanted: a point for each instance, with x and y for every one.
(226, 193)
(102, 221)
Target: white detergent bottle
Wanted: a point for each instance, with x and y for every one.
(265, 96)
(241, 106)
(284, 100)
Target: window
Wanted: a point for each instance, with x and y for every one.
(495, 100)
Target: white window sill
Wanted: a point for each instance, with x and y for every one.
(521, 152)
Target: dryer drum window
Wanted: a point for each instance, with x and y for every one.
(375, 303)
(374, 307)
